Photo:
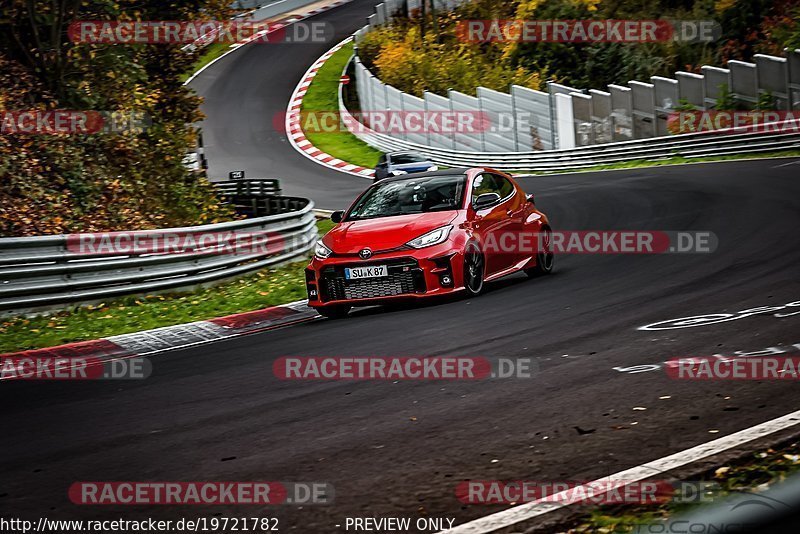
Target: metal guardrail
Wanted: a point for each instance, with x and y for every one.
(47, 271)
(693, 145)
(259, 187)
(257, 197)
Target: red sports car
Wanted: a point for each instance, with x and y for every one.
(427, 234)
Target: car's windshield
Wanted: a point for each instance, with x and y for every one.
(400, 159)
(410, 195)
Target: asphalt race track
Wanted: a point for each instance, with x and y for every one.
(246, 91)
(400, 448)
(216, 412)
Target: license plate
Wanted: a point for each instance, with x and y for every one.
(374, 271)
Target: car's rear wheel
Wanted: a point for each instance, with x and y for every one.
(334, 312)
(544, 257)
(474, 268)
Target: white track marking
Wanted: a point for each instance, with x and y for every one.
(524, 512)
(787, 164)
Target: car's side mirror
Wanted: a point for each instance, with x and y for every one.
(530, 198)
(337, 216)
(484, 200)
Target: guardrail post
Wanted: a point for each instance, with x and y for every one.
(665, 100)
(582, 119)
(565, 122)
(621, 113)
(793, 66)
(496, 105)
(460, 102)
(644, 107)
(773, 79)
(536, 132)
(714, 79)
(744, 83)
(554, 89)
(601, 116)
(439, 104)
(690, 89)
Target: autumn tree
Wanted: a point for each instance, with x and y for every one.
(132, 179)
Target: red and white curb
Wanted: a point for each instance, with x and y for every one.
(295, 133)
(272, 28)
(148, 342)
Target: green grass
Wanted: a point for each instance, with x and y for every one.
(261, 289)
(210, 53)
(324, 226)
(752, 473)
(677, 160)
(323, 95)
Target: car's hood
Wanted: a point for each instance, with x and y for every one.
(384, 233)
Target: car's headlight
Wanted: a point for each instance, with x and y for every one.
(398, 172)
(433, 168)
(433, 237)
(321, 251)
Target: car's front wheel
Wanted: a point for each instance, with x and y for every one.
(544, 257)
(334, 312)
(474, 268)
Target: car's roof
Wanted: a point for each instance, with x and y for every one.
(444, 172)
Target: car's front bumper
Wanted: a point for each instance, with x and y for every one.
(412, 273)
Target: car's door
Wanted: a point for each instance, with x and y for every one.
(494, 221)
(515, 207)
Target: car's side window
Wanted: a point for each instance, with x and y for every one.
(382, 159)
(505, 187)
(486, 183)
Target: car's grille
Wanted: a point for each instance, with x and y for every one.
(405, 277)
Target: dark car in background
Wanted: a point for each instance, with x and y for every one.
(397, 163)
